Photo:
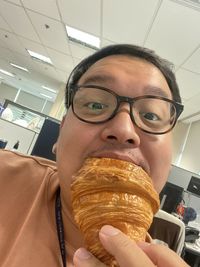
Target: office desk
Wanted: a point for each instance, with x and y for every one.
(192, 248)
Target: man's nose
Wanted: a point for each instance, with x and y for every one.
(121, 128)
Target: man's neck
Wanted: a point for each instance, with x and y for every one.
(73, 236)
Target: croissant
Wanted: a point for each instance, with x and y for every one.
(114, 192)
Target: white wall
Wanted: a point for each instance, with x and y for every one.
(179, 134)
(186, 140)
(191, 155)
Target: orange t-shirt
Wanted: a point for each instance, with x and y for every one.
(28, 235)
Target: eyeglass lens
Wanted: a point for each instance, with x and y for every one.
(97, 105)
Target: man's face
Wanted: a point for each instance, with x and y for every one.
(119, 137)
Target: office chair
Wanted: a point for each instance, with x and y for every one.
(168, 229)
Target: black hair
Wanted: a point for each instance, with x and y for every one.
(129, 50)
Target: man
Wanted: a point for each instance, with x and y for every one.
(122, 103)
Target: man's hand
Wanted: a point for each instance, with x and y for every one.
(128, 253)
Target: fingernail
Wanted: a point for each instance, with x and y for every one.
(82, 254)
(109, 230)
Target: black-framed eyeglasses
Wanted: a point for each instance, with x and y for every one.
(152, 114)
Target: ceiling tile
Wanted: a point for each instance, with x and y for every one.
(83, 15)
(63, 76)
(41, 7)
(6, 54)
(33, 46)
(17, 2)
(105, 42)
(76, 61)
(47, 79)
(4, 25)
(193, 63)
(42, 68)
(11, 42)
(189, 83)
(11, 82)
(17, 19)
(127, 21)
(61, 61)
(2, 41)
(191, 106)
(188, 111)
(175, 33)
(80, 51)
(55, 36)
(4, 65)
(22, 61)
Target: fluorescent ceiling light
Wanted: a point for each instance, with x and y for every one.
(49, 89)
(18, 67)
(47, 96)
(193, 3)
(7, 73)
(83, 37)
(40, 57)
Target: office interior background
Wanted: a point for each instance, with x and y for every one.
(33, 89)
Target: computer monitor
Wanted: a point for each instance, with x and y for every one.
(170, 197)
(194, 186)
(46, 139)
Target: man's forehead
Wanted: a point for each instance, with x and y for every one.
(101, 73)
(102, 65)
(106, 68)
(118, 59)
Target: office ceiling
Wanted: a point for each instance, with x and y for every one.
(171, 28)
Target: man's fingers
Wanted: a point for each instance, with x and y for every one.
(161, 255)
(83, 258)
(125, 251)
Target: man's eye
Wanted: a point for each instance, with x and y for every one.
(95, 106)
(150, 116)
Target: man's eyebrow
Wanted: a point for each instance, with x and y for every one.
(154, 90)
(103, 78)
(98, 79)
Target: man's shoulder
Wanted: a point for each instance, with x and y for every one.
(15, 159)
(20, 167)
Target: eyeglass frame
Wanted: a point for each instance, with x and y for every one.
(125, 99)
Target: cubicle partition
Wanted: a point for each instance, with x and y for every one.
(12, 133)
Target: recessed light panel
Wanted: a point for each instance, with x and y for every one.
(40, 57)
(83, 37)
(19, 67)
(49, 89)
(47, 96)
(7, 73)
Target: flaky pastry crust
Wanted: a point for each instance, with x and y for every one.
(114, 192)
